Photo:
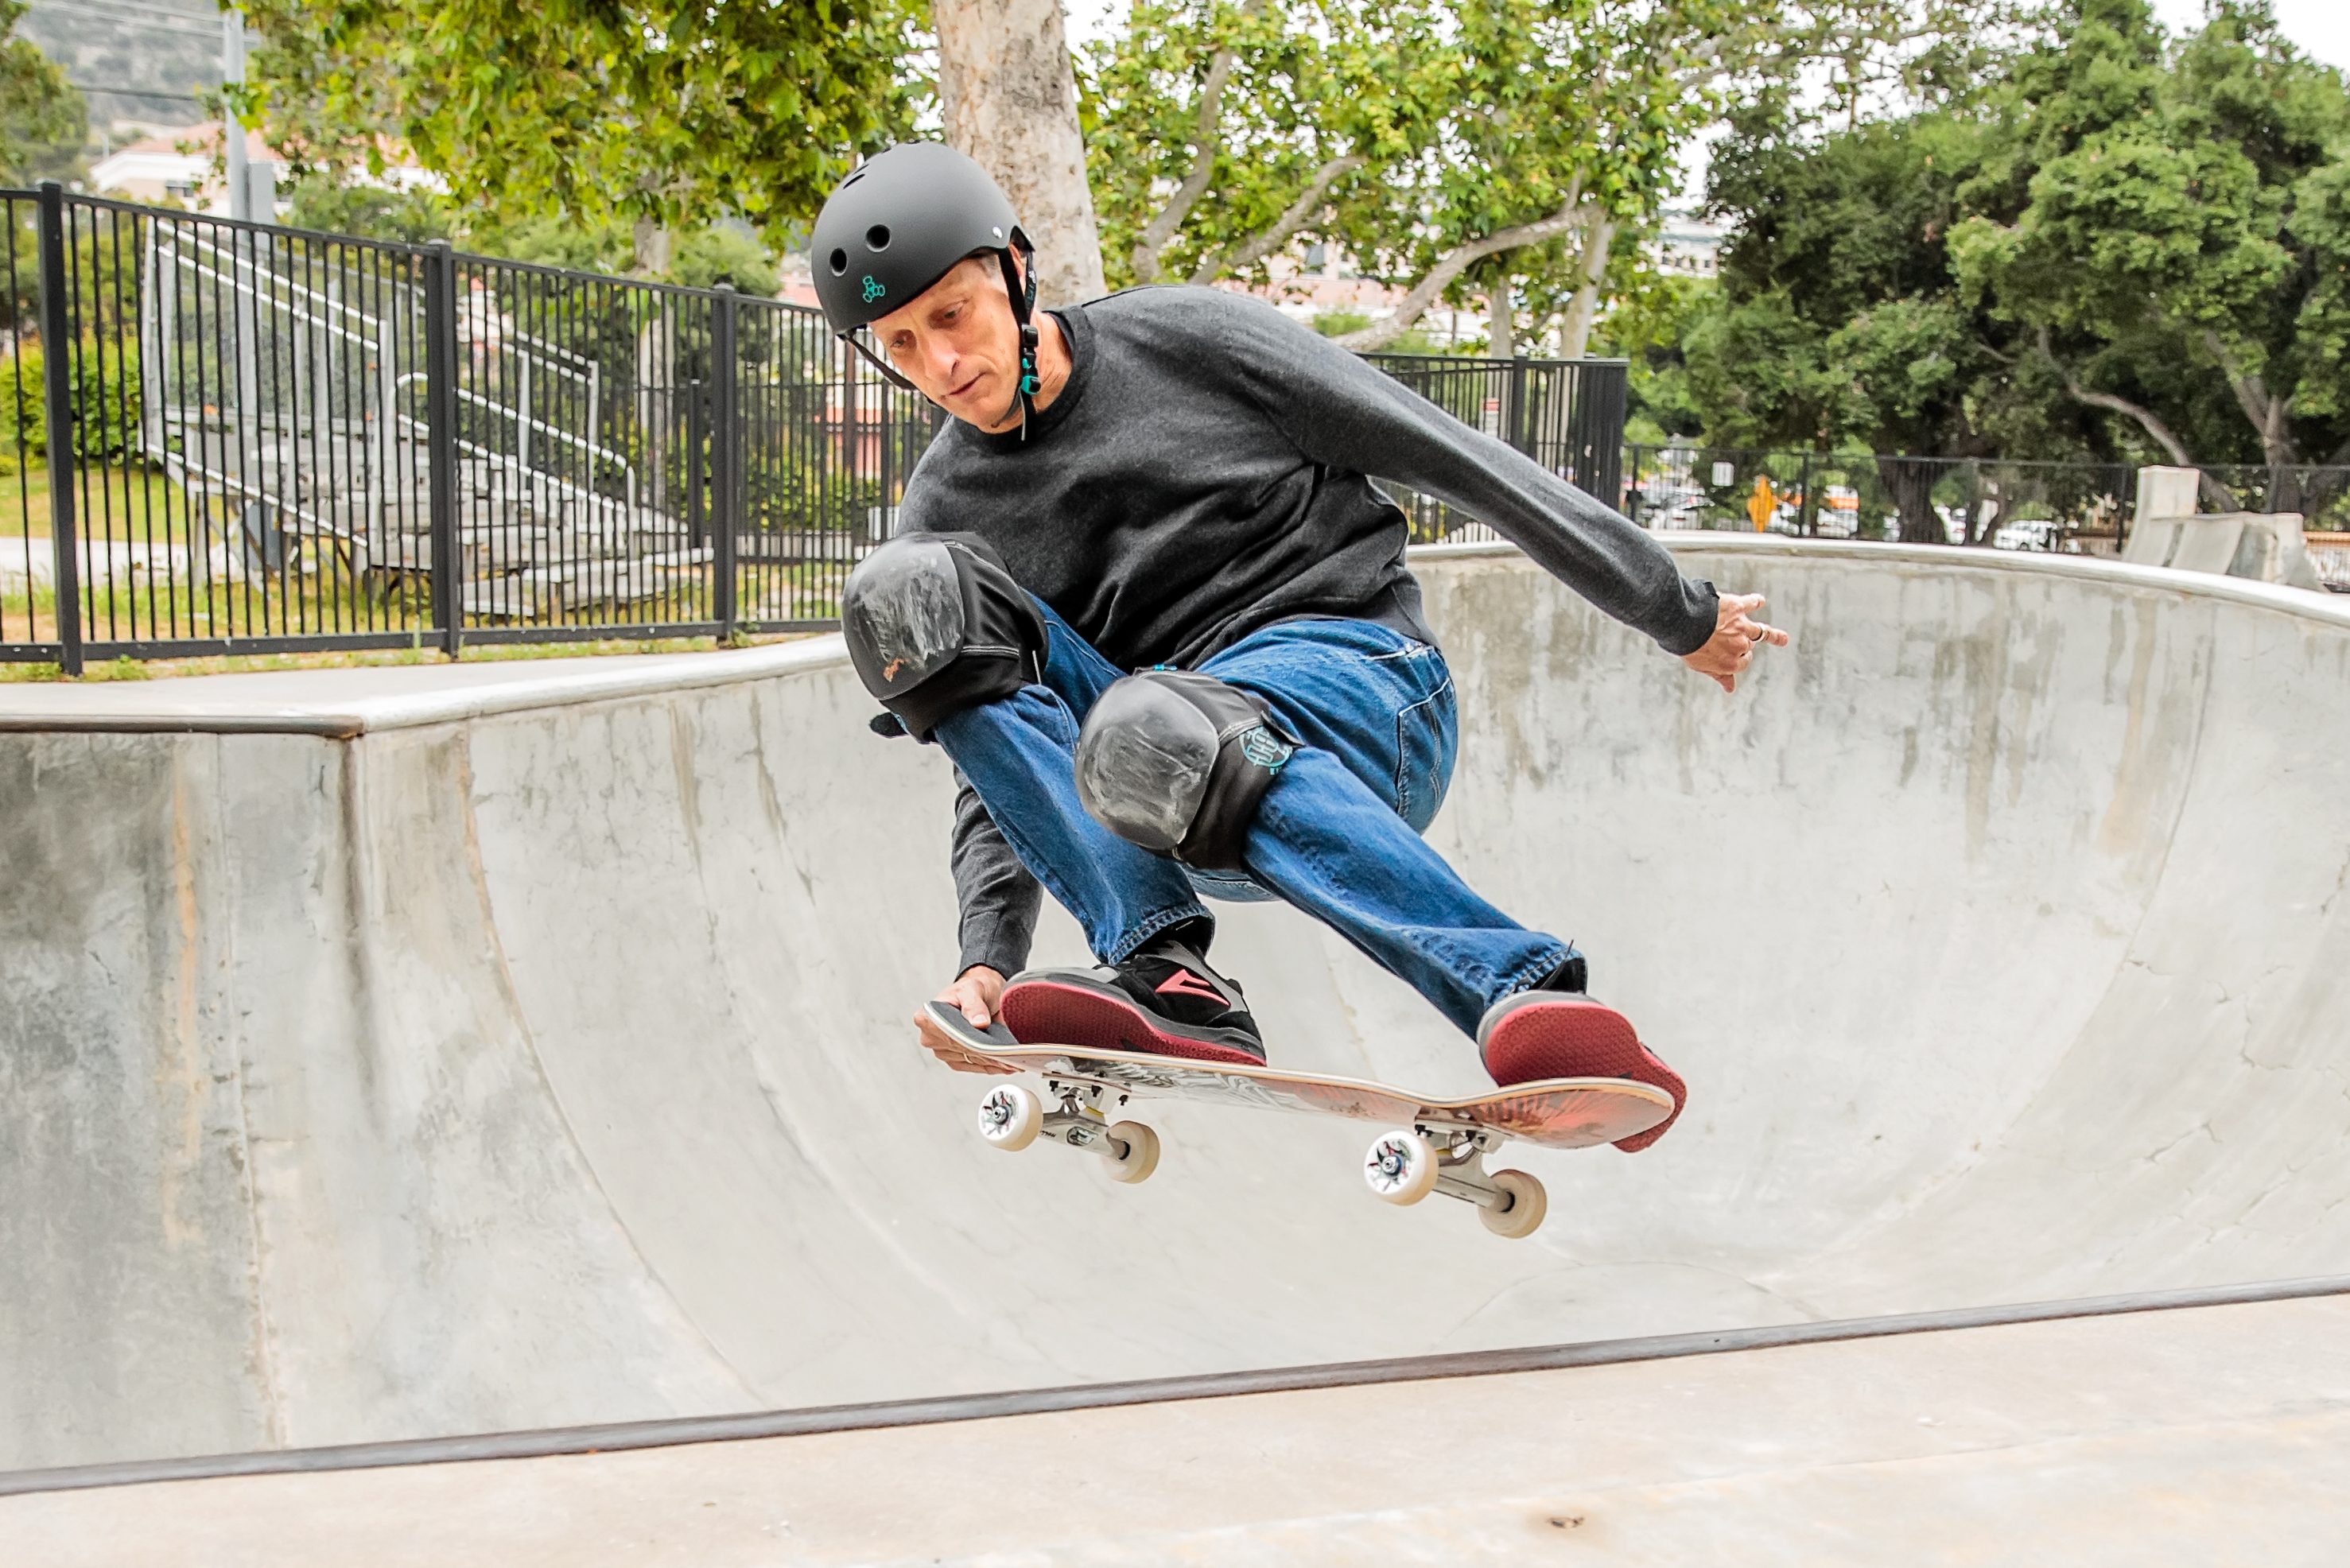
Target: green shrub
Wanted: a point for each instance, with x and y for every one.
(105, 399)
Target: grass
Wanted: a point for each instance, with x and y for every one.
(495, 653)
(112, 502)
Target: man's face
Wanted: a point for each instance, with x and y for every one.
(956, 341)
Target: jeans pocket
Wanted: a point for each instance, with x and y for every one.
(1427, 736)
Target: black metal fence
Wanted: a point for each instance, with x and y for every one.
(223, 437)
(2080, 507)
(227, 437)
(2071, 506)
(1565, 414)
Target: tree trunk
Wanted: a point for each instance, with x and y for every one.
(1011, 102)
(652, 246)
(1910, 481)
(1500, 323)
(1598, 239)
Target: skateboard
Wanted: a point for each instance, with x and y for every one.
(1431, 1144)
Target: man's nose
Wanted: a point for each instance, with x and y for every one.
(939, 362)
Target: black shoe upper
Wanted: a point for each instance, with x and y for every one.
(1169, 980)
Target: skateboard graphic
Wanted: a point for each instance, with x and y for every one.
(1433, 1145)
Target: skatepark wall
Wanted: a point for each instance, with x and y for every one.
(529, 1048)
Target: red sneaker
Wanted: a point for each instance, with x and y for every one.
(1164, 1001)
(1565, 1034)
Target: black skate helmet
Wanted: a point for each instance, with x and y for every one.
(904, 220)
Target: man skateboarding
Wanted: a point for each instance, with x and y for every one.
(1144, 595)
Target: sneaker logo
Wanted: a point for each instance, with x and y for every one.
(1183, 982)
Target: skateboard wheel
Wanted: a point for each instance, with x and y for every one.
(1142, 1155)
(1528, 1204)
(1401, 1167)
(1010, 1116)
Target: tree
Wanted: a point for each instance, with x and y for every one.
(1495, 147)
(2166, 228)
(1647, 325)
(1839, 321)
(1010, 101)
(43, 122)
(657, 113)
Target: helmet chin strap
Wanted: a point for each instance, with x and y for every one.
(1024, 311)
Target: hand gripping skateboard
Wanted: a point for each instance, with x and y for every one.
(1433, 1146)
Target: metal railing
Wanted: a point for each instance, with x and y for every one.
(221, 437)
(227, 437)
(2082, 507)
(1565, 414)
(2078, 507)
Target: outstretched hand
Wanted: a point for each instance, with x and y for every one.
(1736, 635)
(974, 994)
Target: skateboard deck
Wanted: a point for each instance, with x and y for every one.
(1553, 1113)
(1431, 1144)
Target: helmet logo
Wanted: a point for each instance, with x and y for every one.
(873, 289)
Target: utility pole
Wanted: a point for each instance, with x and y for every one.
(240, 178)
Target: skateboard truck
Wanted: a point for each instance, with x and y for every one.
(1012, 1117)
(1406, 1165)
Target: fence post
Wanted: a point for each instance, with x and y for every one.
(1974, 499)
(1807, 516)
(725, 456)
(1518, 404)
(440, 439)
(56, 391)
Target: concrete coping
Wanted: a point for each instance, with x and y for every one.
(341, 705)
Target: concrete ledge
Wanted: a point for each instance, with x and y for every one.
(339, 704)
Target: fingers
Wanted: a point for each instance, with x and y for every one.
(1735, 606)
(947, 1050)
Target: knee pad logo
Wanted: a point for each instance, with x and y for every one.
(1265, 749)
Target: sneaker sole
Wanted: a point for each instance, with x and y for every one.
(1577, 1039)
(1065, 1013)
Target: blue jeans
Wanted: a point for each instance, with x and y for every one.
(1337, 834)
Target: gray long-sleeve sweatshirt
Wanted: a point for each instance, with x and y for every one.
(1206, 472)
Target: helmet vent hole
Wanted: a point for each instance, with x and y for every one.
(878, 237)
(839, 262)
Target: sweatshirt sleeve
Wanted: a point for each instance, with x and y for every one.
(1340, 411)
(998, 898)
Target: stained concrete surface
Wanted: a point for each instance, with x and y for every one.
(482, 1051)
(2212, 1437)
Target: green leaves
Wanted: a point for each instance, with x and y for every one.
(2162, 223)
(43, 122)
(2112, 243)
(638, 111)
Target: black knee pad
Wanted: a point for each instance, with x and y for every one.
(1177, 762)
(935, 625)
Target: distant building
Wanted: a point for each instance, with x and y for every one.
(177, 165)
(1688, 244)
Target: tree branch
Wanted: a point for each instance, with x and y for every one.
(1206, 143)
(1381, 333)
(2147, 420)
(2210, 489)
(1265, 241)
(2267, 413)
